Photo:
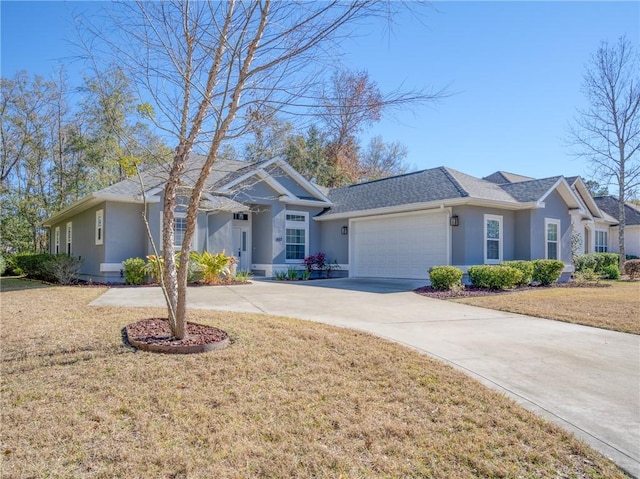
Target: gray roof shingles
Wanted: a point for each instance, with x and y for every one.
(609, 204)
(528, 191)
(420, 187)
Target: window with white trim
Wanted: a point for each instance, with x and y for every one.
(296, 236)
(552, 238)
(56, 240)
(179, 229)
(99, 227)
(602, 241)
(492, 239)
(69, 237)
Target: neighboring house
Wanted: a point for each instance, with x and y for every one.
(269, 217)
(609, 206)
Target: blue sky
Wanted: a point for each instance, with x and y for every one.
(515, 69)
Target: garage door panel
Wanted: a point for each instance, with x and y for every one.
(403, 246)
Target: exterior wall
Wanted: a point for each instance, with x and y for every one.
(83, 241)
(262, 233)
(555, 208)
(523, 237)
(631, 240)
(467, 239)
(289, 183)
(220, 232)
(124, 236)
(332, 242)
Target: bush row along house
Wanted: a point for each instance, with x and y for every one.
(270, 218)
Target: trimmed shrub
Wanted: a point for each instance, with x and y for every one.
(547, 271)
(34, 266)
(525, 267)
(611, 272)
(135, 269)
(445, 277)
(494, 277)
(596, 261)
(631, 256)
(632, 268)
(65, 268)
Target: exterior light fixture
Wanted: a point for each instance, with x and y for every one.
(345, 230)
(454, 220)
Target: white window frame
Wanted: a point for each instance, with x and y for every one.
(298, 225)
(547, 222)
(499, 219)
(99, 227)
(176, 246)
(56, 240)
(601, 247)
(69, 238)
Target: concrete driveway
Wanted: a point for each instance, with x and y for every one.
(585, 379)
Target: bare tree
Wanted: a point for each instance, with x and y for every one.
(607, 132)
(207, 67)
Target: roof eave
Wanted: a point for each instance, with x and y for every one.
(92, 200)
(430, 205)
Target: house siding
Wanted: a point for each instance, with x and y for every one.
(289, 183)
(332, 242)
(220, 232)
(522, 231)
(83, 244)
(554, 208)
(467, 239)
(631, 240)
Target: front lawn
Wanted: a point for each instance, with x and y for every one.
(615, 306)
(287, 398)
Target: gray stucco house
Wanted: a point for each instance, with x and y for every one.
(270, 217)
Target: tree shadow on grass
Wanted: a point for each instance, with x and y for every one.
(17, 283)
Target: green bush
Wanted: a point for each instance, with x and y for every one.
(3, 265)
(632, 268)
(611, 272)
(34, 266)
(65, 268)
(135, 269)
(445, 277)
(494, 277)
(596, 261)
(547, 271)
(525, 267)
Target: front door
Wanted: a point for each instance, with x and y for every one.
(240, 249)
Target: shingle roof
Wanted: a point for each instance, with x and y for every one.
(422, 186)
(222, 169)
(533, 190)
(502, 177)
(609, 204)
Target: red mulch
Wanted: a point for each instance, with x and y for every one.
(157, 331)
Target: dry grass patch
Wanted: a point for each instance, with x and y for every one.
(616, 307)
(286, 399)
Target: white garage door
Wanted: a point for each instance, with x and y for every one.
(399, 246)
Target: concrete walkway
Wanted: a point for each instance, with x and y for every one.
(585, 379)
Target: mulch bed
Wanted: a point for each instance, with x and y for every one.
(154, 334)
(473, 292)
